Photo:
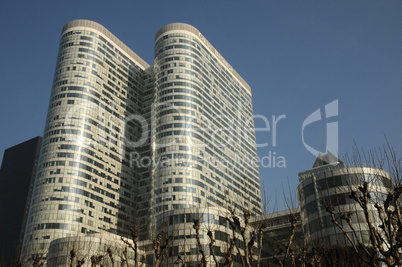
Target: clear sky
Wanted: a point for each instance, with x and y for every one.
(297, 56)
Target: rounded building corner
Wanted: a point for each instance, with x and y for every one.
(176, 26)
(81, 23)
(184, 27)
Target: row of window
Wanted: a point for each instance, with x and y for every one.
(343, 180)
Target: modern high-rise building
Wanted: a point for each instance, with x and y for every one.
(126, 143)
(17, 176)
(278, 230)
(329, 184)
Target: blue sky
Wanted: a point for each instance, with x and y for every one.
(297, 56)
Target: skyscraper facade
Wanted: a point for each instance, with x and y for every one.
(204, 120)
(84, 183)
(126, 143)
(17, 176)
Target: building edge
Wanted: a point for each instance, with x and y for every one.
(96, 26)
(191, 29)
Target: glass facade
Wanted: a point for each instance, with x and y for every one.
(125, 142)
(278, 230)
(106, 247)
(17, 175)
(330, 186)
(203, 129)
(84, 183)
(196, 124)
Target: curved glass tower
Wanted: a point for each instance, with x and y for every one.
(329, 185)
(204, 131)
(126, 143)
(203, 137)
(84, 183)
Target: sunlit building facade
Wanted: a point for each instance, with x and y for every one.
(84, 183)
(126, 143)
(203, 135)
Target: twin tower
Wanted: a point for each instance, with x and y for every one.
(126, 143)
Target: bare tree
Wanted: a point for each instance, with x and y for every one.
(162, 245)
(382, 216)
(197, 226)
(247, 232)
(134, 246)
(73, 256)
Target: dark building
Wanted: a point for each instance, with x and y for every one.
(276, 236)
(17, 175)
